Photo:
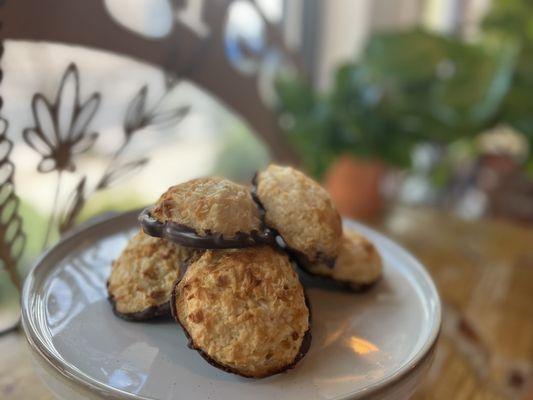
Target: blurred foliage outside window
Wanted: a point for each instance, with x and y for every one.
(416, 87)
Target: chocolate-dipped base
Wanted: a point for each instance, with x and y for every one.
(349, 286)
(152, 312)
(304, 347)
(188, 237)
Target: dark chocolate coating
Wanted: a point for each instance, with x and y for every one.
(334, 283)
(304, 347)
(188, 237)
(153, 312)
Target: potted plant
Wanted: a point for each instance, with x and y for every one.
(408, 88)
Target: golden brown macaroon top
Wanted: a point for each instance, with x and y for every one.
(358, 261)
(244, 309)
(301, 211)
(143, 275)
(209, 205)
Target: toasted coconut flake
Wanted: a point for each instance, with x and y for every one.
(301, 211)
(357, 267)
(142, 277)
(244, 310)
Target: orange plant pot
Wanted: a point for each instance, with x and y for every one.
(355, 186)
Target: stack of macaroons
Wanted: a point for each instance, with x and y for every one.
(220, 257)
(302, 213)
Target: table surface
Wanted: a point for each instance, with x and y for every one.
(484, 272)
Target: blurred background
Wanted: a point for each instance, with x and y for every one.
(406, 103)
(415, 101)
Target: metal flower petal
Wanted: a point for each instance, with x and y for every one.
(37, 141)
(84, 144)
(84, 116)
(43, 114)
(135, 114)
(5, 149)
(3, 126)
(170, 117)
(47, 164)
(67, 101)
(60, 130)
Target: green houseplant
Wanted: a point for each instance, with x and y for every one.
(417, 87)
(407, 88)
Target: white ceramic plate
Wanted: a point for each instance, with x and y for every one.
(363, 344)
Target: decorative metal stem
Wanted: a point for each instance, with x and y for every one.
(54, 211)
(109, 168)
(15, 278)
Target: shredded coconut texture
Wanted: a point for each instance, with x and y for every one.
(245, 309)
(209, 205)
(142, 276)
(358, 261)
(301, 211)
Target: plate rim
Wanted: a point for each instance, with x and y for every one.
(39, 346)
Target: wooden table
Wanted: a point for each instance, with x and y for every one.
(484, 271)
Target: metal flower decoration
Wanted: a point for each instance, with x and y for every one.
(12, 237)
(60, 130)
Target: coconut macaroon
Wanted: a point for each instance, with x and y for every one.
(301, 211)
(358, 265)
(206, 213)
(244, 310)
(142, 277)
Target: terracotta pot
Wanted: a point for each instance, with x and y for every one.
(355, 186)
